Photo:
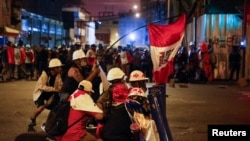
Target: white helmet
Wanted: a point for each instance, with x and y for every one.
(87, 85)
(137, 75)
(115, 73)
(191, 43)
(55, 63)
(137, 92)
(27, 46)
(78, 54)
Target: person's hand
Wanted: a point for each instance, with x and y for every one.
(57, 90)
(96, 69)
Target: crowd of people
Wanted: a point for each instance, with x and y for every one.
(97, 82)
(192, 63)
(23, 61)
(100, 83)
(197, 64)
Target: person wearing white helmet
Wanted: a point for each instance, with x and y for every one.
(29, 60)
(75, 73)
(82, 107)
(138, 107)
(47, 86)
(138, 79)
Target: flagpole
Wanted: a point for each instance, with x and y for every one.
(168, 18)
(168, 8)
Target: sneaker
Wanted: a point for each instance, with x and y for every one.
(32, 122)
(43, 127)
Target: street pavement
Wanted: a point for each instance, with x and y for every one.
(190, 108)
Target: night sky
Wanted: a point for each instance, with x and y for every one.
(94, 6)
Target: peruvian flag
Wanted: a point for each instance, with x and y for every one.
(165, 41)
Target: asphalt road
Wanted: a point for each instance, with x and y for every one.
(189, 109)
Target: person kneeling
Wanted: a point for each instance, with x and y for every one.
(82, 105)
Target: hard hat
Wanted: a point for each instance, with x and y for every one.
(78, 54)
(55, 63)
(87, 85)
(137, 75)
(191, 43)
(27, 46)
(120, 92)
(115, 73)
(137, 92)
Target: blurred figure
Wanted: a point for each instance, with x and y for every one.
(5, 65)
(91, 55)
(22, 70)
(41, 59)
(11, 59)
(147, 65)
(108, 59)
(137, 60)
(126, 59)
(193, 63)
(181, 59)
(17, 58)
(29, 61)
(206, 62)
(234, 63)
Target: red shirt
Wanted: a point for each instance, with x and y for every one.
(10, 53)
(23, 55)
(78, 130)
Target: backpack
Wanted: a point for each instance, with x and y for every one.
(57, 120)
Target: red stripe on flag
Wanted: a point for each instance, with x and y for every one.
(165, 41)
(166, 35)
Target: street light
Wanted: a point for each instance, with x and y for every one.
(137, 15)
(132, 39)
(135, 7)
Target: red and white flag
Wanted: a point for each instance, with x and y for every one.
(165, 41)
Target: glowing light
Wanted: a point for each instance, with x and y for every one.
(132, 36)
(137, 15)
(243, 43)
(135, 7)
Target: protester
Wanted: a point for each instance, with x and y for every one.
(29, 61)
(4, 60)
(206, 62)
(41, 59)
(138, 79)
(137, 105)
(11, 59)
(116, 123)
(234, 63)
(114, 76)
(48, 84)
(74, 74)
(82, 106)
(126, 59)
